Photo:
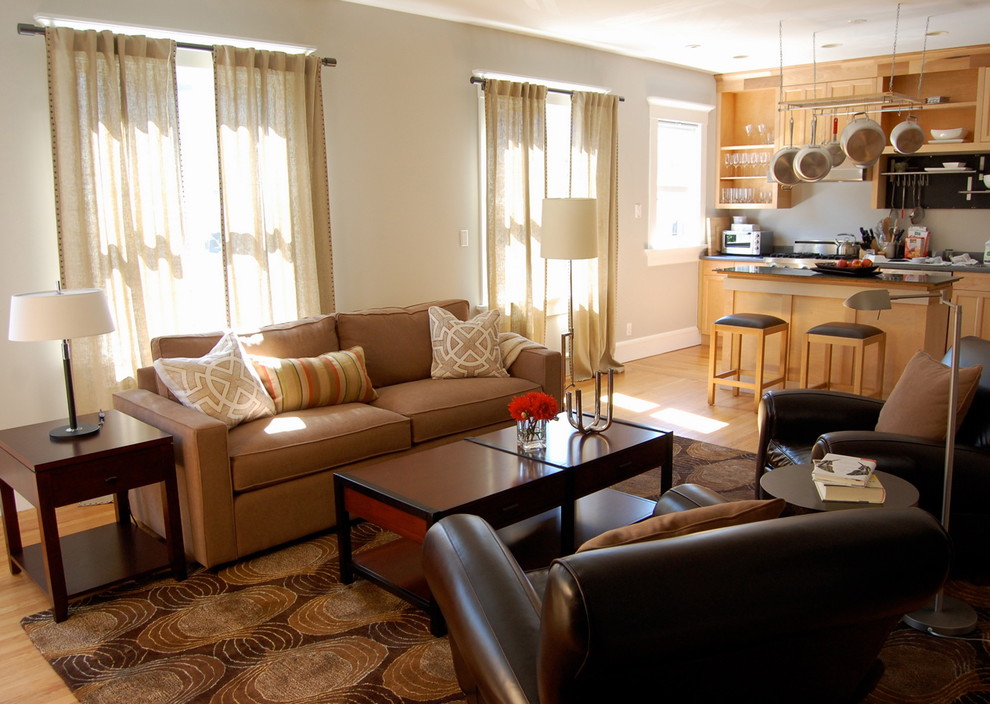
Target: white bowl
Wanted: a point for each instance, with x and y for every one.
(953, 164)
(955, 133)
(986, 180)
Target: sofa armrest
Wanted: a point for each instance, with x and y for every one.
(202, 470)
(684, 497)
(542, 366)
(491, 609)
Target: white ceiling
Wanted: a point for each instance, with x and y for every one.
(724, 36)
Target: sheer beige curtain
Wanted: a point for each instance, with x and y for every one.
(118, 187)
(594, 174)
(276, 223)
(515, 138)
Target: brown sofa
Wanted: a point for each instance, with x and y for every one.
(269, 481)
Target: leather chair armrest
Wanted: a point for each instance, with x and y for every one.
(202, 464)
(542, 366)
(798, 416)
(684, 497)
(491, 609)
(921, 462)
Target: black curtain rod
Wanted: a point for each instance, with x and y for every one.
(481, 81)
(24, 28)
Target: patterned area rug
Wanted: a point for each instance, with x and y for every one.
(282, 628)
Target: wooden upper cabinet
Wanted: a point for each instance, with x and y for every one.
(983, 107)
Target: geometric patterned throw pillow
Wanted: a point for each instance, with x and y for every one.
(327, 380)
(463, 349)
(220, 384)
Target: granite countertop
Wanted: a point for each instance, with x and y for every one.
(945, 268)
(922, 278)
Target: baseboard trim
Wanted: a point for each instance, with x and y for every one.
(628, 350)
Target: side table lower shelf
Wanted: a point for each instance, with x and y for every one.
(98, 558)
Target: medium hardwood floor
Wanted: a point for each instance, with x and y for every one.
(666, 391)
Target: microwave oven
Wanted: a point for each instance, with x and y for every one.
(747, 242)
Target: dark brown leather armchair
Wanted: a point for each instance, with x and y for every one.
(797, 425)
(785, 610)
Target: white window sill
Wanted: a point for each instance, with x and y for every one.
(674, 255)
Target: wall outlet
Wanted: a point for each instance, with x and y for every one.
(628, 329)
(464, 238)
(637, 211)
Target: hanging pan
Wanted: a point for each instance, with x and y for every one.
(834, 148)
(907, 137)
(863, 140)
(813, 162)
(782, 163)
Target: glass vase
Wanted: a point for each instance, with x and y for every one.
(531, 435)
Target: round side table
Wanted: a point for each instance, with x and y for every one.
(794, 485)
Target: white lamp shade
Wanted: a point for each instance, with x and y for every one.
(59, 315)
(570, 228)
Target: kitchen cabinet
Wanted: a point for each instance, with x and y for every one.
(972, 293)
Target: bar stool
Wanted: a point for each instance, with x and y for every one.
(737, 326)
(855, 335)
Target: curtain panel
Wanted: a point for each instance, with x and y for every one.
(515, 144)
(118, 193)
(594, 174)
(275, 216)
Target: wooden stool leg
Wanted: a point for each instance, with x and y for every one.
(828, 366)
(881, 354)
(859, 357)
(736, 359)
(712, 366)
(761, 353)
(785, 356)
(805, 362)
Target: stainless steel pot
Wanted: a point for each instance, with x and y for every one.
(863, 140)
(782, 163)
(907, 137)
(833, 147)
(813, 162)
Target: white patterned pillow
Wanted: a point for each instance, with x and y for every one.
(220, 384)
(464, 349)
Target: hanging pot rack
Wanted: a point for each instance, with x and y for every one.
(888, 101)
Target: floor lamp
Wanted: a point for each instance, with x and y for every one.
(945, 616)
(570, 231)
(61, 315)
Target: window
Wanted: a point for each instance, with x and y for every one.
(677, 176)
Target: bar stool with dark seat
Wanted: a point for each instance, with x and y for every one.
(854, 335)
(737, 326)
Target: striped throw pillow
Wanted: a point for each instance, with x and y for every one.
(327, 380)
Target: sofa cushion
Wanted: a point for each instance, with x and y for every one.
(919, 402)
(396, 341)
(306, 382)
(222, 383)
(299, 443)
(464, 349)
(439, 407)
(695, 520)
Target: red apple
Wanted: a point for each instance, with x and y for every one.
(867, 262)
(856, 264)
(842, 263)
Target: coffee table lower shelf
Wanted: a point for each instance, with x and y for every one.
(397, 565)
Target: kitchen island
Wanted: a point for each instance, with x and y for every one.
(806, 297)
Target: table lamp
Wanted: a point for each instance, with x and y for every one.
(570, 231)
(945, 616)
(61, 315)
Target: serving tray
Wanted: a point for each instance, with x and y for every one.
(847, 270)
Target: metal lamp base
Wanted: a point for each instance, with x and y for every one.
(954, 618)
(65, 431)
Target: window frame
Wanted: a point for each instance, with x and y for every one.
(659, 251)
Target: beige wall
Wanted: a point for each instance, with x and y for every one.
(402, 126)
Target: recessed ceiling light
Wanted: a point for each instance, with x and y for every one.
(860, 21)
(692, 46)
(832, 45)
(741, 56)
(936, 32)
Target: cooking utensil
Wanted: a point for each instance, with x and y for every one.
(813, 161)
(833, 147)
(907, 137)
(845, 245)
(863, 140)
(782, 163)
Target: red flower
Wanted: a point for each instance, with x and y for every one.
(535, 405)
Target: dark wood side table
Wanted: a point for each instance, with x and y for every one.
(125, 454)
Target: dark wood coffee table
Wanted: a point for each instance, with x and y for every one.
(794, 485)
(562, 492)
